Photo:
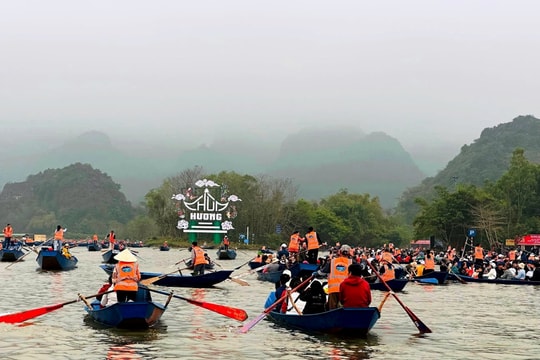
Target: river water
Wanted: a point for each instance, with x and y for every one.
(473, 321)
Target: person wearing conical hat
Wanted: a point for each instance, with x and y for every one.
(126, 276)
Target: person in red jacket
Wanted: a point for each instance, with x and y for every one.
(354, 291)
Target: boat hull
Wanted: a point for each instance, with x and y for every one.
(127, 315)
(355, 322)
(209, 279)
(54, 260)
(226, 254)
(499, 281)
(108, 256)
(11, 254)
(394, 284)
(441, 276)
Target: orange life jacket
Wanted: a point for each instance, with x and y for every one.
(95, 237)
(389, 273)
(112, 238)
(512, 255)
(478, 253)
(429, 263)
(59, 234)
(126, 275)
(8, 231)
(339, 270)
(199, 256)
(226, 241)
(312, 242)
(387, 256)
(293, 243)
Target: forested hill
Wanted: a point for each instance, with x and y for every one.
(78, 197)
(486, 159)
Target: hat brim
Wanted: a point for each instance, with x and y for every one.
(125, 256)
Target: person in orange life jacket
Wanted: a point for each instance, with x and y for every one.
(478, 255)
(313, 244)
(354, 291)
(112, 239)
(8, 233)
(386, 271)
(58, 238)
(198, 259)
(126, 276)
(226, 242)
(281, 288)
(337, 270)
(429, 262)
(294, 242)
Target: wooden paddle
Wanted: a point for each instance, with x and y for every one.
(231, 312)
(32, 313)
(244, 329)
(152, 280)
(460, 279)
(417, 322)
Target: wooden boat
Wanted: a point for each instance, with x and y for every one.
(13, 253)
(353, 322)
(208, 279)
(395, 285)
(498, 281)
(94, 247)
(49, 259)
(108, 256)
(164, 248)
(141, 314)
(297, 269)
(226, 254)
(441, 276)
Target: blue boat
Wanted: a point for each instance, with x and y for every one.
(441, 277)
(13, 253)
(108, 256)
(226, 254)
(141, 314)
(394, 284)
(164, 248)
(495, 281)
(298, 269)
(94, 246)
(206, 280)
(352, 322)
(49, 259)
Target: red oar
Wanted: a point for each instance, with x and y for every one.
(32, 313)
(244, 329)
(233, 313)
(419, 324)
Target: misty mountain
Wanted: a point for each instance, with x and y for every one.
(319, 161)
(486, 159)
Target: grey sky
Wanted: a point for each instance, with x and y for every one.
(429, 73)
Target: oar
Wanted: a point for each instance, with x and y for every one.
(231, 312)
(460, 279)
(152, 280)
(383, 301)
(419, 324)
(183, 260)
(19, 259)
(244, 329)
(32, 313)
(259, 269)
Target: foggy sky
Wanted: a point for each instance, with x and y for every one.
(429, 73)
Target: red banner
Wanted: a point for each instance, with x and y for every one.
(529, 240)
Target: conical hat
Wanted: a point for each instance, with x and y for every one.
(126, 256)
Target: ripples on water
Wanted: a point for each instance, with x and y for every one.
(473, 321)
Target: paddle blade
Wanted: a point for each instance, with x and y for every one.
(239, 281)
(28, 314)
(244, 329)
(233, 313)
(419, 324)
